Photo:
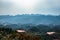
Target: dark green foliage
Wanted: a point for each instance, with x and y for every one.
(13, 35)
(33, 32)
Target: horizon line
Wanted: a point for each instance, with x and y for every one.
(28, 14)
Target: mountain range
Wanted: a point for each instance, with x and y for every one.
(30, 19)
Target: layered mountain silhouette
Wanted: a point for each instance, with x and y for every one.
(29, 19)
(31, 23)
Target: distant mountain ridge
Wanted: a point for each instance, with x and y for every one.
(30, 19)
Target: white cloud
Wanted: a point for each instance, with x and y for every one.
(13, 7)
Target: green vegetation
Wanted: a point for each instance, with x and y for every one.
(37, 32)
(9, 34)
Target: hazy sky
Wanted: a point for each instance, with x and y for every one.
(46, 7)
